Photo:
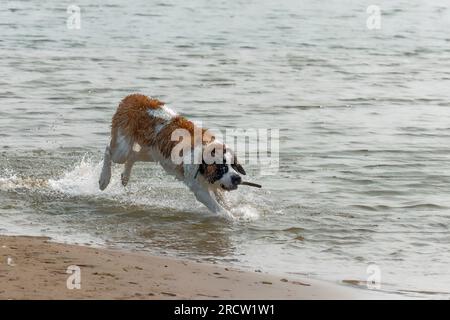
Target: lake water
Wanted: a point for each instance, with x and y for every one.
(364, 120)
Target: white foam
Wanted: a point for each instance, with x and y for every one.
(242, 206)
(82, 180)
(245, 212)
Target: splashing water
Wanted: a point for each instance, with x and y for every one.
(155, 192)
(81, 180)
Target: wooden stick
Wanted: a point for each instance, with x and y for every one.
(251, 184)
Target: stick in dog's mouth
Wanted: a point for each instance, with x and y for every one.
(251, 184)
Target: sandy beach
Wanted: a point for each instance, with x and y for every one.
(36, 268)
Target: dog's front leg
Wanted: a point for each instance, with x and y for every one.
(208, 199)
(220, 198)
(125, 176)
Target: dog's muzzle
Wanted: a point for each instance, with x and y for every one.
(235, 181)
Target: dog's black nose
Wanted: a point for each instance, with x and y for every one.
(236, 179)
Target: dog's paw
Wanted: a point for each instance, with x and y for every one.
(124, 180)
(102, 184)
(104, 180)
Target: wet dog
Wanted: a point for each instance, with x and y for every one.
(145, 129)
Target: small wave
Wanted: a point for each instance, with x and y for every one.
(412, 206)
(294, 229)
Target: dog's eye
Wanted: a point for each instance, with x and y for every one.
(222, 169)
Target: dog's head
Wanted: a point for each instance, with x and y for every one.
(220, 167)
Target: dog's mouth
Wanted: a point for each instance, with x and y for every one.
(233, 187)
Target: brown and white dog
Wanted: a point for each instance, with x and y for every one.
(142, 130)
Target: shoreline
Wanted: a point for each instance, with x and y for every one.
(36, 268)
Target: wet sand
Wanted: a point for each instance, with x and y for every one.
(36, 268)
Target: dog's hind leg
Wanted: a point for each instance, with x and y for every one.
(105, 176)
(138, 153)
(120, 147)
(125, 177)
(118, 151)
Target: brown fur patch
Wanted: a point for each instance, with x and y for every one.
(137, 100)
(164, 137)
(210, 172)
(133, 120)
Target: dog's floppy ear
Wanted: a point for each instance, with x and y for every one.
(237, 166)
(201, 169)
